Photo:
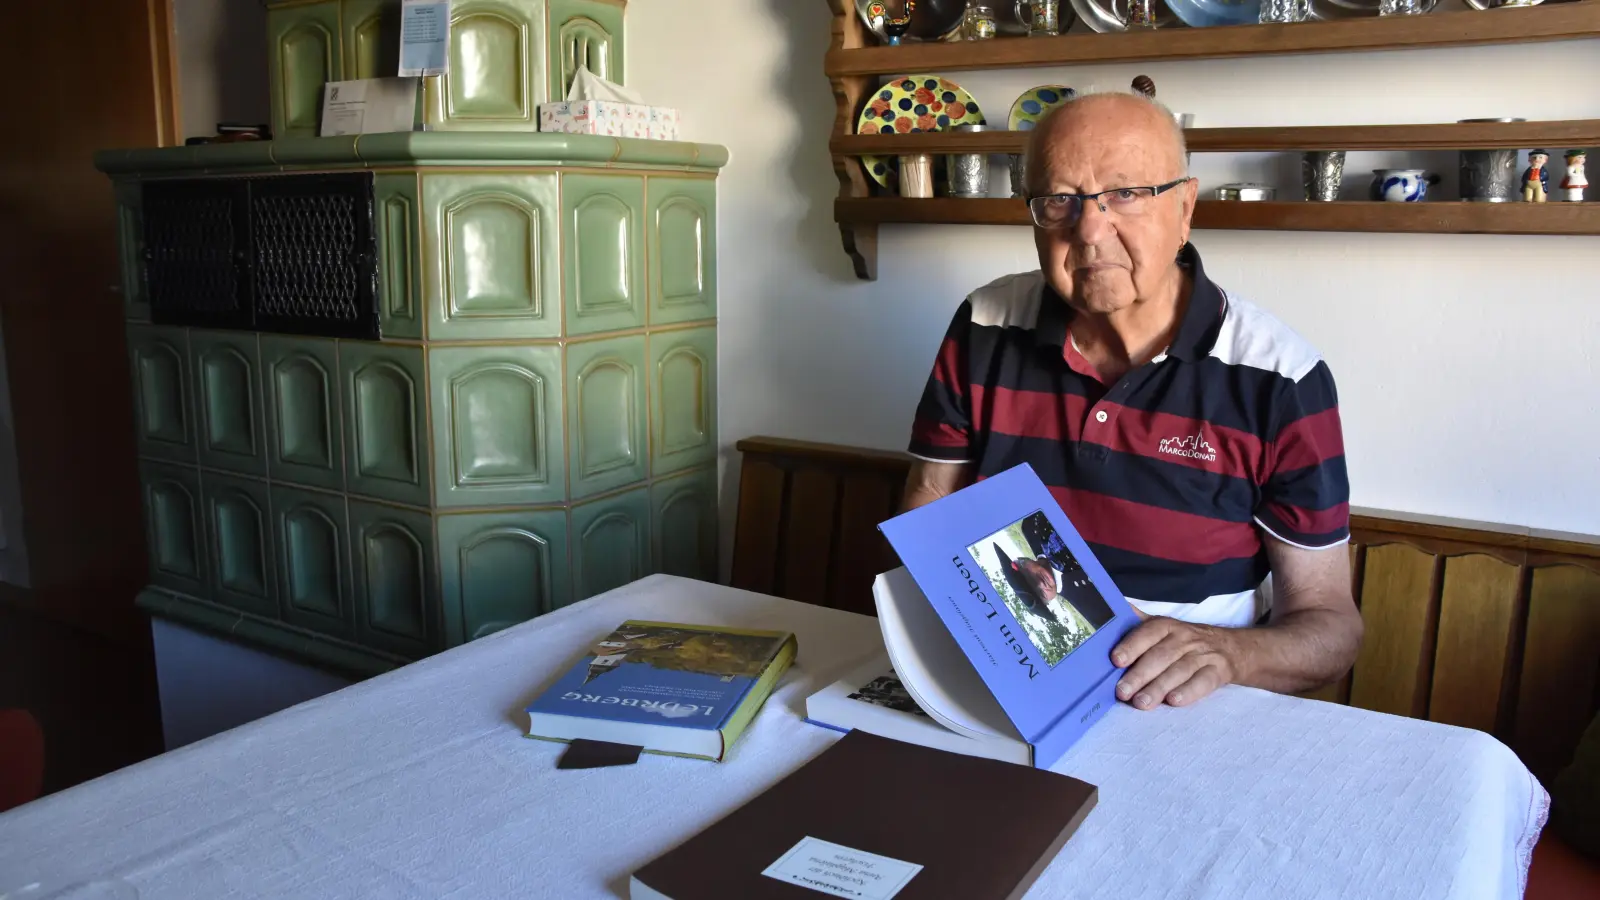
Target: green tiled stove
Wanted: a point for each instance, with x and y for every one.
(398, 391)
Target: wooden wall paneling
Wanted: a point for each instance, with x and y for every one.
(862, 552)
(808, 535)
(755, 550)
(1391, 672)
(1477, 609)
(1561, 654)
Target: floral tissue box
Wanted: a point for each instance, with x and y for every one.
(659, 123)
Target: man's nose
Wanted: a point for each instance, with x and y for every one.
(1094, 223)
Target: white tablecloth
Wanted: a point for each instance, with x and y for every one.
(418, 784)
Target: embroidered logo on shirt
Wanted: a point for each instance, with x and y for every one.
(1192, 447)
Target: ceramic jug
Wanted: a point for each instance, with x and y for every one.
(1401, 185)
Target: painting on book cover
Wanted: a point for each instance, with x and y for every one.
(886, 690)
(722, 653)
(1043, 585)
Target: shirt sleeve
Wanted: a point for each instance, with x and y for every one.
(1305, 499)
(942, 428)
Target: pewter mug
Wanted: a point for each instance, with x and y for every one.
(1322, 171)
(1488, 176)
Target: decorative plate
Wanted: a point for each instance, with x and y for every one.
(1207, 13)
(912, 104)
(1034, 103)
(1112, 15)
(932, 20)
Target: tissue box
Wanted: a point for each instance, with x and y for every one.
(610, 118)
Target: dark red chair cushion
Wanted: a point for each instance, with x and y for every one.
(1559, 872)
(21, 758)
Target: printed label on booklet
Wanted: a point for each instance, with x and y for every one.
(424, 38)
(841, 871)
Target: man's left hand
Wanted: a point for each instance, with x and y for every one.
(1175, 662)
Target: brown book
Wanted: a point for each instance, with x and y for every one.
(977, 828)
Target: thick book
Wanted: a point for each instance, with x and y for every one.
(670, 688)
(872, 698)
(1000, 623)
(876, 818)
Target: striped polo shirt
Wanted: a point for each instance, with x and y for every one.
(1173, 473)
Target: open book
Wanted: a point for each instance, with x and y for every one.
(998, 629)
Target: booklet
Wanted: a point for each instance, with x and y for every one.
(999, 625)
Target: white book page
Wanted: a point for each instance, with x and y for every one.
(930, 663)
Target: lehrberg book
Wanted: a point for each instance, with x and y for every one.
(999, 626)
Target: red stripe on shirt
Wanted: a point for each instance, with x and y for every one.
(1309, 441)
(1307, 523)
(1153, 531)
(1029, 414)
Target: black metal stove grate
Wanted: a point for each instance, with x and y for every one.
(290, 253)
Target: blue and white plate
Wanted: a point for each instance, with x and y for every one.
(1206, 13)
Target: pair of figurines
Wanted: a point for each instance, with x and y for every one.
(1536, 178)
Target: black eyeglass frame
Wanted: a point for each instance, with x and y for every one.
(1156, 190)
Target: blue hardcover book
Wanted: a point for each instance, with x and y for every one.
(1001, 622)
(676, 689)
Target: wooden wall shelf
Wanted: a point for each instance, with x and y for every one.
(855, 64)
(1443, 136)
(1426, 217)
(1565, 21)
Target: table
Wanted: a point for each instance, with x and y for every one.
(419, 784)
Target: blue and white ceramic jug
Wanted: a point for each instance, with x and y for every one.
(1401, 185)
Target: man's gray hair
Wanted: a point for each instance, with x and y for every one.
(1166, 115)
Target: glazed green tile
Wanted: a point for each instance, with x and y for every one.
(300, 383)
(384, 392)
(238, 524)
(610, 542)
(371, 38)
(130, 248)
(683, 399)
(227, 392)
(587, 34)
(399, 255)
(605, 389)
(602, 222)
(684, 523)
(310, 532)
(497, 436)
(494, 267)
(396, 586)
(497, 71)
(498, 569)
(162, 392)
(683, 250)
(302, 54)
(174, 530)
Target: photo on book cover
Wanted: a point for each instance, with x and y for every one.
(721, 653)
(886, 690)
(1043, 585)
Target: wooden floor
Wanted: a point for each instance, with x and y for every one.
(95, 698)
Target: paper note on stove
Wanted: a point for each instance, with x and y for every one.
(424, 37)
(369, 106)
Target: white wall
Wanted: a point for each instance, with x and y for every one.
(1466, 364)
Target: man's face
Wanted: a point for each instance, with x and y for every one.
(1107, 260)
(1538, 159)
(1040, 576)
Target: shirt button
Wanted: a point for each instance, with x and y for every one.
(1100, 416)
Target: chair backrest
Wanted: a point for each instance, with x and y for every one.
(1484, 626)
(21, 758)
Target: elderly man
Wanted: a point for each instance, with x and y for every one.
(1192, 438)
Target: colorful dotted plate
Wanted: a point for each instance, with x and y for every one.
(1034, 103)
(911, 104)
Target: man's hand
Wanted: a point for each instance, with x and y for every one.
(1173, 662)
(1311, 640)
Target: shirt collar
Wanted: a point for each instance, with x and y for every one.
(1197, 333)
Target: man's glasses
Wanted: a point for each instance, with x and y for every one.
(1060, 210)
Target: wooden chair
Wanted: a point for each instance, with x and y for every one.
(1560, 873)
(21, 758)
